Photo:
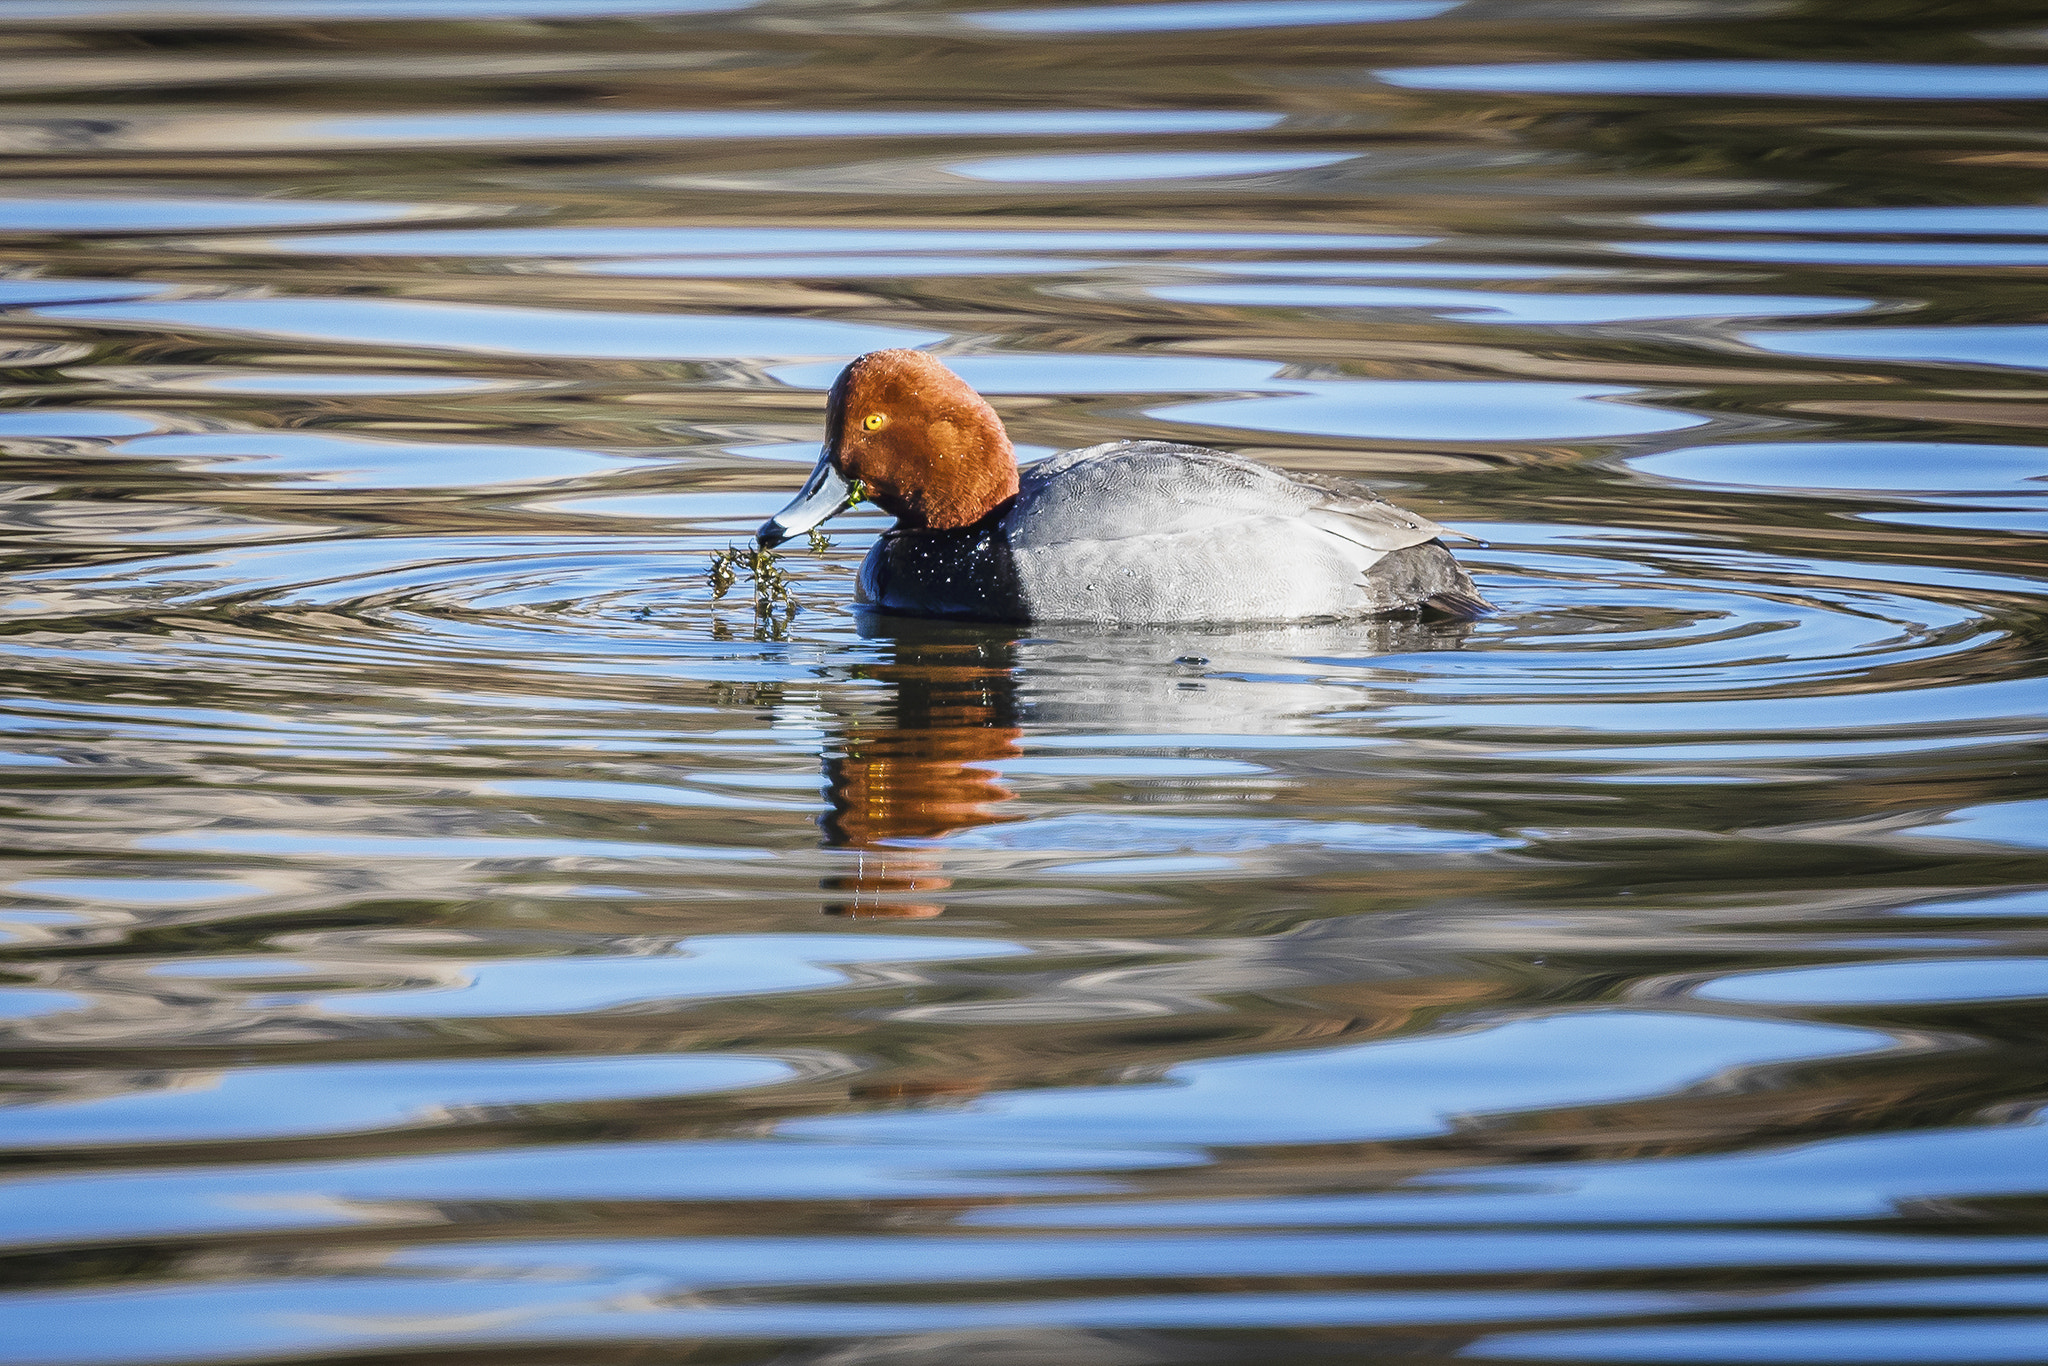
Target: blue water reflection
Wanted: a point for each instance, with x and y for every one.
(724, 965)
(1878, 1341)
(265, 1102)
(1207, 14)
(103, 215)
(1842, 465)
(1800, 80)
(550, 332)
(682, 240)
(1123, 166)
(1906, 981)
(1399, 1089)
(1438, 411)
(2011, 346)
(1957, 220)
(583, 125)
(1850, 253)
(1500, 306)
(2016, 823)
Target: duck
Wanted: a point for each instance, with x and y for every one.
(1124, 533)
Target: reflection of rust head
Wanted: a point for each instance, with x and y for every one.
(891, 791)
(885, 910)
(923, 776)
(902, 876)
(886, 881)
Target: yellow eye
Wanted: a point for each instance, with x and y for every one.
(873, 422)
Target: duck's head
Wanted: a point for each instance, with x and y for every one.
(907, 434)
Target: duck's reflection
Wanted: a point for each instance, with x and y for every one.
(915, 771)
(920, 766)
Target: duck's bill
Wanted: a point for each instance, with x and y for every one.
(825, 494)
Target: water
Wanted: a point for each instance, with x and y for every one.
(438, 930)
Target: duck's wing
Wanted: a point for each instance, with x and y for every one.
(1355, 513)
(1148, 531)
(1154, 488)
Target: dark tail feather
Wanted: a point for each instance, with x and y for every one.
(1454, 603)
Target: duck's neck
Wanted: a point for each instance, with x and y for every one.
(975, 484)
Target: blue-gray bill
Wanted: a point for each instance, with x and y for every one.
(825, 495)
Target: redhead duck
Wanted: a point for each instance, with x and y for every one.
(1125, 533)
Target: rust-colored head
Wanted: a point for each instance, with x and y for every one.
(926, 447)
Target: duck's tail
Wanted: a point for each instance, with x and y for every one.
(1458, 604)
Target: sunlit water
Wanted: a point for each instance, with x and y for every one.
(438, 930)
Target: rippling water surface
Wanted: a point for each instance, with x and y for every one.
(438, 930)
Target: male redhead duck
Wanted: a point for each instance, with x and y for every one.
(1125, 533)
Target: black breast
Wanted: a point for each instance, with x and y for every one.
(966, 574)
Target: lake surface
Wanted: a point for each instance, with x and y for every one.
(438, 930)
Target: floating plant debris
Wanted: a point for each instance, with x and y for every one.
(760, 565)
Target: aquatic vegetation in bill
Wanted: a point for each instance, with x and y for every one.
(770, 583)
